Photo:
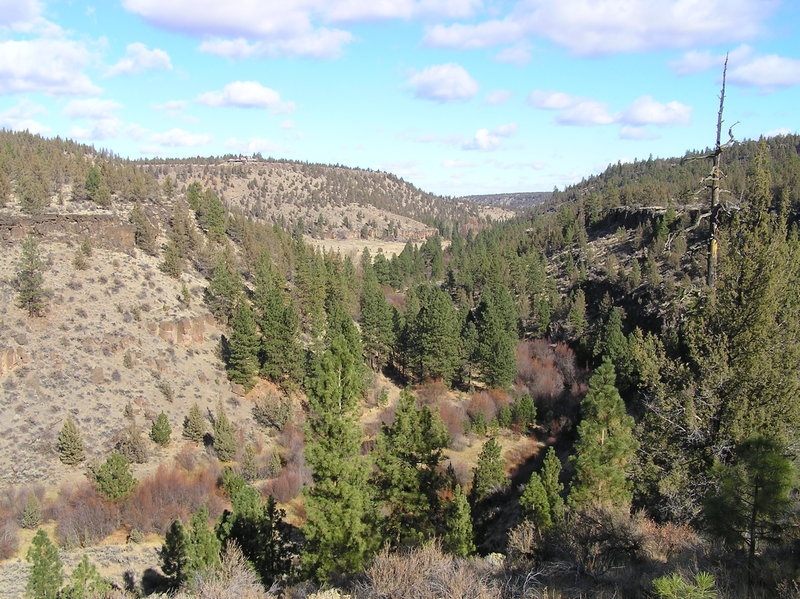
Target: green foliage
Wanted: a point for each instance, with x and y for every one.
(225, 289)
(30, 269)
(340, 525)
(174, 553)
(523, 412)
(542, 496)
(85, 582)
(69, 444)
(488, 475)
(32, 513)
(242, 347)
(675, 587)
(497, 338)
(145, 233)
(433, 345)
(203, 546)
(172, 264)
(248, 466)
(194, 426)
(45, 577)
(377, 333)
(114, 478)
(161, 431)
(224, 436)
(458, 535)
(534, 501)
(751, 499)
(605, 447)
(408, 454)
(577, 313)
(96, 187)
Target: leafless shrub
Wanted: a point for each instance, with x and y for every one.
(234, 579)
(83, 516)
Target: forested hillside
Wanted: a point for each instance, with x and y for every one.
(558, 405)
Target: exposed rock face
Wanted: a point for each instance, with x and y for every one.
(10, 358)
(102, 230)
(184, 331)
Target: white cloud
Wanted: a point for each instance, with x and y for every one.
(178, 138)
(458, 164)
(601, 27)
(646, 111)
(636, 133)
(551, 100)
(766, 72)
(358, 10)
(497, 97)
(138, 58)
(488, 140)
(519, 54)
(91, 108)
(172, 106)
(253, 146)
(247, 94)
(443, 83)
(321, 44)
(696, 61)
(14, 13)
(781, 131)
(100, 129)
(20, 118)
(585, 112)
(49, 66)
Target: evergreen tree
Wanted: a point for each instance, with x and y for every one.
(224, 436)
(408, 454)
(203, 546)
(605, 447)
(45, 577)
(85, 582)
(577, 313)
(96, 187)
(145, 233)
(242, 354)
(751, 499)
(376, 320)
(174, 553)
(488, 474)
(225, 290)
(497, 338)
(433, 339)
(69, 444)
(340, 525)
(458, 536)
(523, 412)
(194, 426)
(534, 502)
(32, 513)
(172, 265)
(160, 432)
(30, 268)
(114, 478)
(542, 496)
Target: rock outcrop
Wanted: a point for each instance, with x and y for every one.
(102, 230)
(10, 358)
(183, 331)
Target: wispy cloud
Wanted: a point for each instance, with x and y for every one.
(443, 83)
(139, 58)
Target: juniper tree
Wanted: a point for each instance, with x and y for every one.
(45, 576)
(242, 350)
(114, 478)
(96, 187)
(174, 553)
(160, 432)
(340, 525)
(458, 537)
(145, 233)
(194, 426)
(85, 582)
(408, 454)
(30, 269)
(224, 436)
(225, 289)
(69, 444)
(605, 447)
(32, 513)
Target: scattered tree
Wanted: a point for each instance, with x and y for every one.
(69, 444)
(30, 268)
(46, 576)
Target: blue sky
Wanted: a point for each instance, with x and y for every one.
(457, 96)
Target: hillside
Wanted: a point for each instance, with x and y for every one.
(511, 201)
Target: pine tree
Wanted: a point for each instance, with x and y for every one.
(408, 454)
(224, 436)
(85, 582)
(203, 546)
(194, 426)
(458, 536)
(577, 313)
(340, 525)
(488, 474)
(433, 339)
(174, 553)
(96, 187)
(172, 265)
(497, 338)
(523, 412)
(242, 354)
(30, 268)
(377, 333)
(605, 447)
(145, 233)
(32, 513)
(225, 290)
(69, 444)
(45, 577)
(542, 496)
(114, 478)
(160, 432)
(534, 502)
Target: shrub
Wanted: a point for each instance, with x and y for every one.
(32, 514)
(129, 443)
(9, 537)
(287, 485)
(272, 412)
(83, 516)
(160, 432)
(69, 444)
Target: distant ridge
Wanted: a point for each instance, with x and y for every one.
(511, 201)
